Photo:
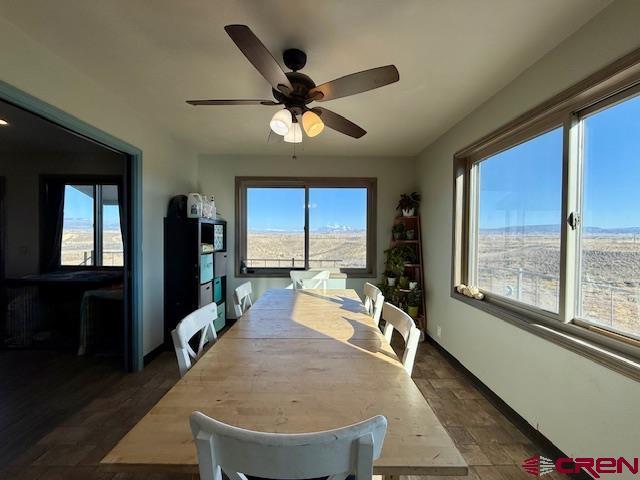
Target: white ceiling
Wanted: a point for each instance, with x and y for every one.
(452, 56)
(28, 133)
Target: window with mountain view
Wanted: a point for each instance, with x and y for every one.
(91, 233)
(298, 223)
(546, 223)
(338, 227)
(609, 244)
(275, 227)
(518, 222)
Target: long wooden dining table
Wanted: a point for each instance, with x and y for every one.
(297, 361)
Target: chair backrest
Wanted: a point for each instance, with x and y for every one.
(242, 298)
(302, 279)
(332, 453)
(373, 301)
(404, 324)
(199, 321)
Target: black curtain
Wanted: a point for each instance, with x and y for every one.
(52, 222)
(123, 219)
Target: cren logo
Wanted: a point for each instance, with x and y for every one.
(538, 465)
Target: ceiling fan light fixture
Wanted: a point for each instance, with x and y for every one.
(294, 135)
(312, 123)
(281, 122)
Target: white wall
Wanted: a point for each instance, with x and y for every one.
(22, 198)
(582, 407)
(169, 167)
(216, 175)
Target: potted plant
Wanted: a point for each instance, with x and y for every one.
(395, 263)
(414, 299)
(408, 203)
(398, 231)
(403, 282)
(410, 234)
(413, 285)
(391, 278)
(407, 253)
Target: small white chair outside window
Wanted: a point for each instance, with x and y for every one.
(403, 323)
(373, 301)
(303, 279)
(242, 298)
(332, 453)
(199, 321)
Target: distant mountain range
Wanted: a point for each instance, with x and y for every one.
(324, 229)
(551, 229)
(86, 224)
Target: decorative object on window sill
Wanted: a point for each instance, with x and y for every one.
(408, 203)
(471, 292)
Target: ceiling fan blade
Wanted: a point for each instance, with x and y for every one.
(259, 56)
(339, 123)
(232, 102)
(355, 83)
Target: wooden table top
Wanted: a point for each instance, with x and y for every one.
(297, 361)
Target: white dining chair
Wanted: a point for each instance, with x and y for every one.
(373, 301)
(398, 320)
(242, 298)
(304, 279)
(333, 453)
(199, 321)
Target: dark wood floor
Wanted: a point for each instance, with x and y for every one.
(57, 443)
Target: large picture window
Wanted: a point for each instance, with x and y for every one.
(309, 223)
(546, 219)
(608, 278)
(519, 199)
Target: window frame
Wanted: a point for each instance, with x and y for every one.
(613, 84)
(88, 180)
(243, 183)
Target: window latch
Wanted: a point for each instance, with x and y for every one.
(573, 220)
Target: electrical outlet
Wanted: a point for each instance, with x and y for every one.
(439, 331)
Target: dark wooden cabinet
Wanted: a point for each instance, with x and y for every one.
(191, 280)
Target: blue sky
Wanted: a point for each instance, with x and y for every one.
(522, 186)
(283, 208)
(79, 206)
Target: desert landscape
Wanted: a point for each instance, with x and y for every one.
(523, 267)
(526, 267)
(334, 249)
(77, 246)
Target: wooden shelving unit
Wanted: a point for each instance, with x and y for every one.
(414, 271)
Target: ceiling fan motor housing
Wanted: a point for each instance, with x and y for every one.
(294, 59)
(298, 98)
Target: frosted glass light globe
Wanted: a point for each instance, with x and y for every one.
(281, 122)
(294, 135)
(312, 123)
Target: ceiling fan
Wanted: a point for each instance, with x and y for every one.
(296, 91)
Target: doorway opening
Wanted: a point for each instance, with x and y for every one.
(69, 271)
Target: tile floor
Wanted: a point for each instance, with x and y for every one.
(491, 444)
